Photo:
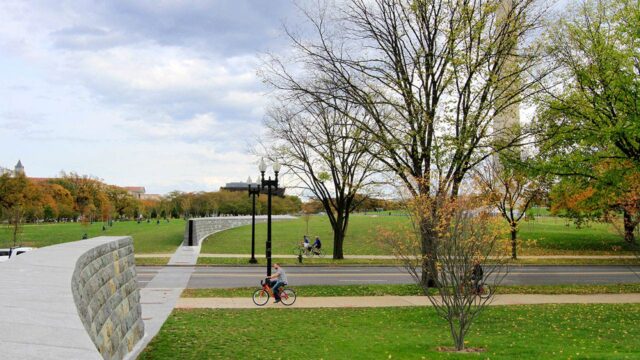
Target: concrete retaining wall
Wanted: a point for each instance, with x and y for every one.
(203, 227)
(108, 299)
(77, 300)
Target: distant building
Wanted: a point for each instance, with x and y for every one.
(135, 191)
(139, 192)
(19, 169)
(244, 186)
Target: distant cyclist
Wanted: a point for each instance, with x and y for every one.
(317, 245)
(306, 243)
(476, 275)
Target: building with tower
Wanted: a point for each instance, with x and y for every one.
(19, 169)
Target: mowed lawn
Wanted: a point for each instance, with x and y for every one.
(553, 234)
(544, 235)
(147, 237)
(361, 236)
(514, 332)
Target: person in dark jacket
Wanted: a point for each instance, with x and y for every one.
(477, 275)
(316, 245)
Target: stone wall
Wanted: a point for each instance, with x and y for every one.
(76, 300)
(108, 299)
(203, 227)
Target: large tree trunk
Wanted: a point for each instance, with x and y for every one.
(338, 237)
(429, 270)
(338, 241)
(629, 227)
(514, 236)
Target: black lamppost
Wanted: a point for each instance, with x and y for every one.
(269, 184)
(253, 192)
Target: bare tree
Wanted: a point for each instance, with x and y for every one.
(430, 75)
(509, 190)
(465, 237)
(328, 153)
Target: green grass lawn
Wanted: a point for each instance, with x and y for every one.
(557, 235)
(305, 261)
(544, 235)
(412, 289)
(147, 237)
(513, 332)
(361, 235)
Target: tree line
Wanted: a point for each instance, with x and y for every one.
(73, 197)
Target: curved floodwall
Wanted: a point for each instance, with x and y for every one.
(76, 300)
(198, 229)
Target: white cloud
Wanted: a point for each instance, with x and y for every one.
(160, 95)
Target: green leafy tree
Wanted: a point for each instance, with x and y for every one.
(590, 116)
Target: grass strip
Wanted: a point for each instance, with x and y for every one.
(152, 261)
(330, 261)
(412, 289)
(291, 261)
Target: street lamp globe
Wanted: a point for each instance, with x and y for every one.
(276, 167)
(262, 167)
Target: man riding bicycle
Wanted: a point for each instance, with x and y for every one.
(277, 280)
(316, 246)
(476, 275)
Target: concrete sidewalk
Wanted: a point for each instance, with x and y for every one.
(391, 257)
(402, 301)
(161, 294)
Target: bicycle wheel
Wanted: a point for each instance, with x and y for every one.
(260, 297)
(485, 291)
(320, 253)
(288, 297)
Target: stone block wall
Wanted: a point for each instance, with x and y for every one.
(203, 227)
(108, 298)
(77, 300)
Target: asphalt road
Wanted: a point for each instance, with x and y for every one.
(225, 277)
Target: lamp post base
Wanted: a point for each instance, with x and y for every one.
(253, 261)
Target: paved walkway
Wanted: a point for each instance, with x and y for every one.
(402, 301)
(391, 257)
(162, 293)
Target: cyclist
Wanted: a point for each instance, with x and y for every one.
(277, 280)
(305, 243)
(316, 245)
(476, 275)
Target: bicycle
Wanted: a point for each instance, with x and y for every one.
(483, 291)
(262, 295)
(316, 252)
(301, 250)
(308, 251)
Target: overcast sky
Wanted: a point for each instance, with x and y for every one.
(156, 93)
